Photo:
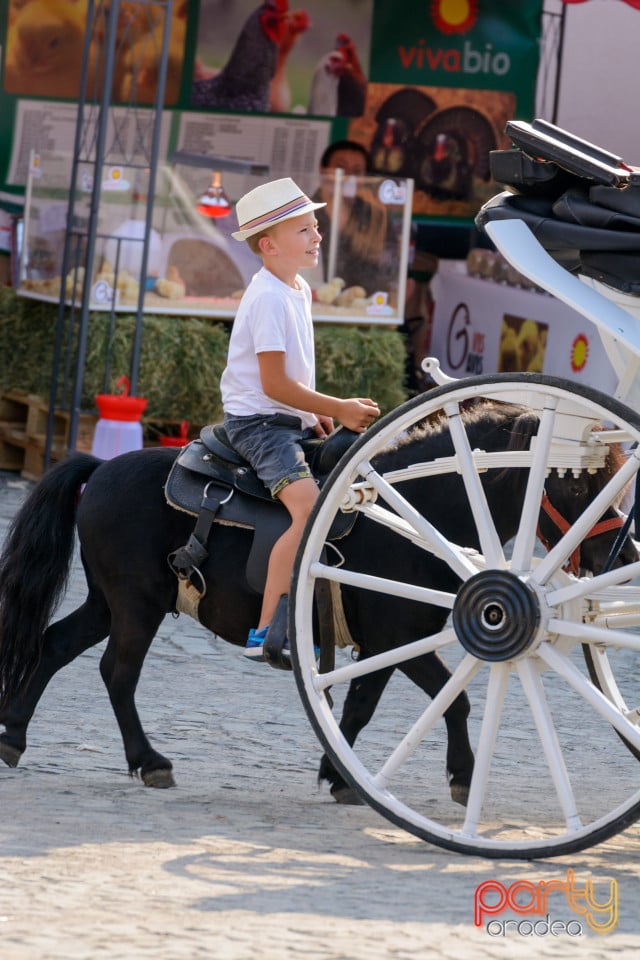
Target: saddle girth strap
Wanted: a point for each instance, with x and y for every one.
(185, 562)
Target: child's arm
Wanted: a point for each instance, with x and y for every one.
(355, 413)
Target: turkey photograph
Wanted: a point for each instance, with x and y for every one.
(439, 137)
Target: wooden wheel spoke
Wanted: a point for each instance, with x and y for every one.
(488, 536)
(389, 658)
(588, 633)
(394, 588)
(590, 693)
(439, 545)
(579, 529)
(534, 691)
(465, 671)
(524, 543)
(496, 692)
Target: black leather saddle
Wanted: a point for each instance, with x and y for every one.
(212, 482)
(581, 202)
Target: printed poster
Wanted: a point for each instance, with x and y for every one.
(276, 59)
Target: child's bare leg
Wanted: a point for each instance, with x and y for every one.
(299, 498)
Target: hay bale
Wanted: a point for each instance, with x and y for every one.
(182, 359)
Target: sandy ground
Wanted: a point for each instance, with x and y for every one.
(246, 857)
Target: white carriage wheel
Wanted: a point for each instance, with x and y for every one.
(551, 776)
(612, 671)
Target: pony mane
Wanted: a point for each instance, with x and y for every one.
(486, 413)
(518, 423)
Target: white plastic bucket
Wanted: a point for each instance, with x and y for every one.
(113, 437)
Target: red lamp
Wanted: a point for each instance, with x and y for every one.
(214, 203)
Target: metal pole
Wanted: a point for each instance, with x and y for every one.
(101, 137)
(69, 235)
(556, 97)
(153, 164)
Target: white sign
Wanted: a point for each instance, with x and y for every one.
(480, 326)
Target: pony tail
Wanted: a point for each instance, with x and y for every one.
(34, 567)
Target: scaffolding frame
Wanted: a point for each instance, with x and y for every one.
(106, 35)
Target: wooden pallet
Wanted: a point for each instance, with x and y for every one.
(23, 430)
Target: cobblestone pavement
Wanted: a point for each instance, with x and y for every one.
(246, 857)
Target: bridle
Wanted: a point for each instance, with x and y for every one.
(603, 526)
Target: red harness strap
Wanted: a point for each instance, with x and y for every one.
(603, 526)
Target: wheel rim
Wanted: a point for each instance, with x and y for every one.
(614, 672)
(530, 692)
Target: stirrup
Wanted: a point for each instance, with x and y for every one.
(276, 650)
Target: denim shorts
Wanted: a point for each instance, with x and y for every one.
(271, 444)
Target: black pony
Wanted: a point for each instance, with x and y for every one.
(127, 530)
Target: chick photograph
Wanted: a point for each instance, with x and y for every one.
(45, 43)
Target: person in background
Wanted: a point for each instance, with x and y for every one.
(363, 224)
(349, 155)
(268, 386)
(361, 258)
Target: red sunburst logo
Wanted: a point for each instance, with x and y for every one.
(579, 353)
(454, 16)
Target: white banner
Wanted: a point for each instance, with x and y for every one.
(480, 326)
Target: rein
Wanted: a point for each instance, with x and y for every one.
(603, 526)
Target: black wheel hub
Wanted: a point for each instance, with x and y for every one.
(496, 615)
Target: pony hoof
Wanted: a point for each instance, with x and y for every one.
(161, 779)
(347, 795)
(459, 794)
(9, 754)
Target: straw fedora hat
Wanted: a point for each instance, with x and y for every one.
(271, 203)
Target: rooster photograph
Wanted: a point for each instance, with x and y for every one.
(269, 58)
(280, 96)
(339, 85)
(244, 83)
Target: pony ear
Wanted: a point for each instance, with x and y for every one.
(522, 430)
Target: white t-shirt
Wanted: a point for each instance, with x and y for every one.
(271, 316)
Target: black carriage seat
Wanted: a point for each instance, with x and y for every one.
(581, 203)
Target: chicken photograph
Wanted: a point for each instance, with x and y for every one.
(445, 170)
(439, 137)
(244, 83)
(280, 95)
(522, 345)
(139, 52)
(250, 56)
(352, 83)
(338, 85)
(271, 57)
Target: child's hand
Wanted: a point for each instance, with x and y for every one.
(358, 413)
(324, 426)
